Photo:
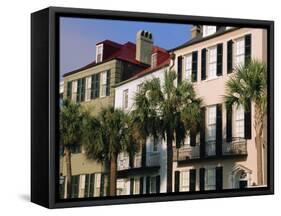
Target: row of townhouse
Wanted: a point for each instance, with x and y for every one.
(222, 155)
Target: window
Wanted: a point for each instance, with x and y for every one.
(155, 144)
(88, 88)
(120, 187)
(139, 87)
(125, 99)
(184, 181)
(97, 190)
(103, 84)
(154, 60)
(89, 185)
(188, 67)
(240, 51)
(208, 30)
(153, 184)
(99, 53)
(74, 186)
(80, 96)
(95, 86)
(211, 131)
(136, 185)
(239, 121)
(74, 90)
(212, 72)
(75, 149)
(210, 179)
(187, 141)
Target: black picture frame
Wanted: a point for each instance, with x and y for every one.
(45, 105)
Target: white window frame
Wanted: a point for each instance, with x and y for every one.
(99, 51)
(188, 66)
(154, 60)
(209, 30)
(210, 178)
(239, 57)
(239, 122)
(88, 88)
(155, 144)
(97, 189)
(103, 78)
(212, 63)
(184, 180)
(74, 90)
(125, 101)
(136, 186)
(211, 130)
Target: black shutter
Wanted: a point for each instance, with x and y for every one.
(131, 161)
(97, 86)
(108, 83)
(69, 90)
(147, 184)
(158, 184)
(219, 59)
(219, 130)
(229, 124)
(202, 179)
(143, 155)
(132, 186)
(93, 84)
(203, 64)
(141, 185)
(248, 120)
(102, 185)
(229, 56)
(83, 89)
(202, 133)
(248, 42)
(192, 138)
(194, 66)
(179, 69)
(177, 181)
(78, 91)
(192, 179)
(219, 179)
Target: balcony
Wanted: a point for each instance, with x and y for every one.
(123, 161)
(237, 147)
(186, 153)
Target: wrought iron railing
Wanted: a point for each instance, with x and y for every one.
(238, 146)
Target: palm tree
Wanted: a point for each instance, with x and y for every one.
(168, 111)
(71, 118)
(250, 83)
(106, 136)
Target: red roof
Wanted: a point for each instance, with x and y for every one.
(126, 52)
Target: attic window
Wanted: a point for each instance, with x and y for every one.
(99, 52)
(208, 30)
(154, 60)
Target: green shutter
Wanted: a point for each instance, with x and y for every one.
(179, 69)
(83, 89)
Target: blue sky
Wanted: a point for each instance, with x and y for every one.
(78, 37)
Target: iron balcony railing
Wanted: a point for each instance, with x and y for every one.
(238, 146)
(152, 159)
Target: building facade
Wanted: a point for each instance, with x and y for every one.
(223, 154)
(92, 87)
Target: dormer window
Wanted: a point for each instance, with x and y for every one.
(208, 30)
(154, 60)
(99, 52)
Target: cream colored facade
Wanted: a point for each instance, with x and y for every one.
(212, 91)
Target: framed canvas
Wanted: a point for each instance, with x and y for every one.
(134, 107)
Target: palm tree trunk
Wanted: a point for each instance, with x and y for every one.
(169, 163)
(258, 140)
(113, 175)
(68, 171)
